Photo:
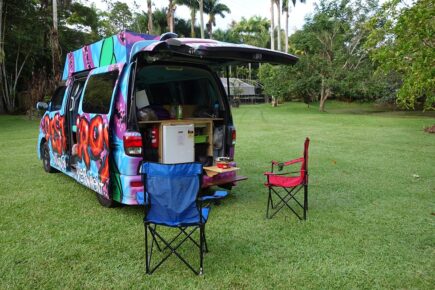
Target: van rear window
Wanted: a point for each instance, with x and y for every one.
(98, 92)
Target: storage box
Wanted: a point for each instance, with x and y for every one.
(201, 139)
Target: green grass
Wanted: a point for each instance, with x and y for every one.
(370, 224)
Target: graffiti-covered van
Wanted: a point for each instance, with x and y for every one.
(134, 97)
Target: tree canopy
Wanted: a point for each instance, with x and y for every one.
(402, 40)
(349, 50)
(354, 50)
(333, 59)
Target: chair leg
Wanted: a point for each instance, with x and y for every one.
(155, 240)
(305, 201)
(147, 266)
(269, 200)
(201, 252)
(173, 250)
(284, 201)
(205, 240)
(307, 195)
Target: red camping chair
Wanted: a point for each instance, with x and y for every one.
(282, 182)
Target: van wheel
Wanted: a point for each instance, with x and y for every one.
(45, 152)
(106, 202)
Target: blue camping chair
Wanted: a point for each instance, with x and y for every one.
(171, 200)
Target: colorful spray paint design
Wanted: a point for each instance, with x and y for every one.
(54, 131)
(111, 50)
(93, 153)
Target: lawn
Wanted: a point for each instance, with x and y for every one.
(370, 223)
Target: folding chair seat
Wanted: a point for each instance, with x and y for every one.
(171, 200)
(284, 187)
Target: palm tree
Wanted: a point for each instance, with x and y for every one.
(150, 17)
(285, 8)
(201, 16)
(272, 26)
(159, 21)
(193, 5)
(170, 15)
(213, 8)
(279, 23)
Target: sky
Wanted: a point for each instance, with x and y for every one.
(239, 9)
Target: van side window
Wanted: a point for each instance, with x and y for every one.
(98, 92)
(57, 99)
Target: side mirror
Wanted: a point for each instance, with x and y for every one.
(42, 106)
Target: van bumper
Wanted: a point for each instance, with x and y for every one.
(127, 189)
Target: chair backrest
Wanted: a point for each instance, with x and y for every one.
(172, 192)
(304, 167)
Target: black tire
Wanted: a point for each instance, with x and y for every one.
(106, 202)
(45, 154)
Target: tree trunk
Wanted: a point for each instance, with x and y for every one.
(2, 107)
(210, 29)
(170, 16)
(272, 26)
(274, 102)
(201, 16)
(325, 92)
(286, 29)
(278, 2)
(150, 17)
(55, 19)
(55, 50)
(192, 22)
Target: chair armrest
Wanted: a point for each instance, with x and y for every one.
(288, 162)
(298, 160)
(220, 194)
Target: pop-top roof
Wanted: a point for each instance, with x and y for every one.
(123, 46)
(110, 50)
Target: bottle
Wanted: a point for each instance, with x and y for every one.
(216, 110)
(173, 111)
(180, 112)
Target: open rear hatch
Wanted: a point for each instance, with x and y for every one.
(211, 52)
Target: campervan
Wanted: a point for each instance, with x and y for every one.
(133, 97)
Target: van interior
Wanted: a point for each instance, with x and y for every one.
(181, 113)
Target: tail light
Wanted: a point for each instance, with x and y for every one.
(136, 184)
(155, 137)
(133, 143)
(233, 136)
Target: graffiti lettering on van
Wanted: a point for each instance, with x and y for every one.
(93, 182)
(54, 131)
(59, 161)
(93, 144)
